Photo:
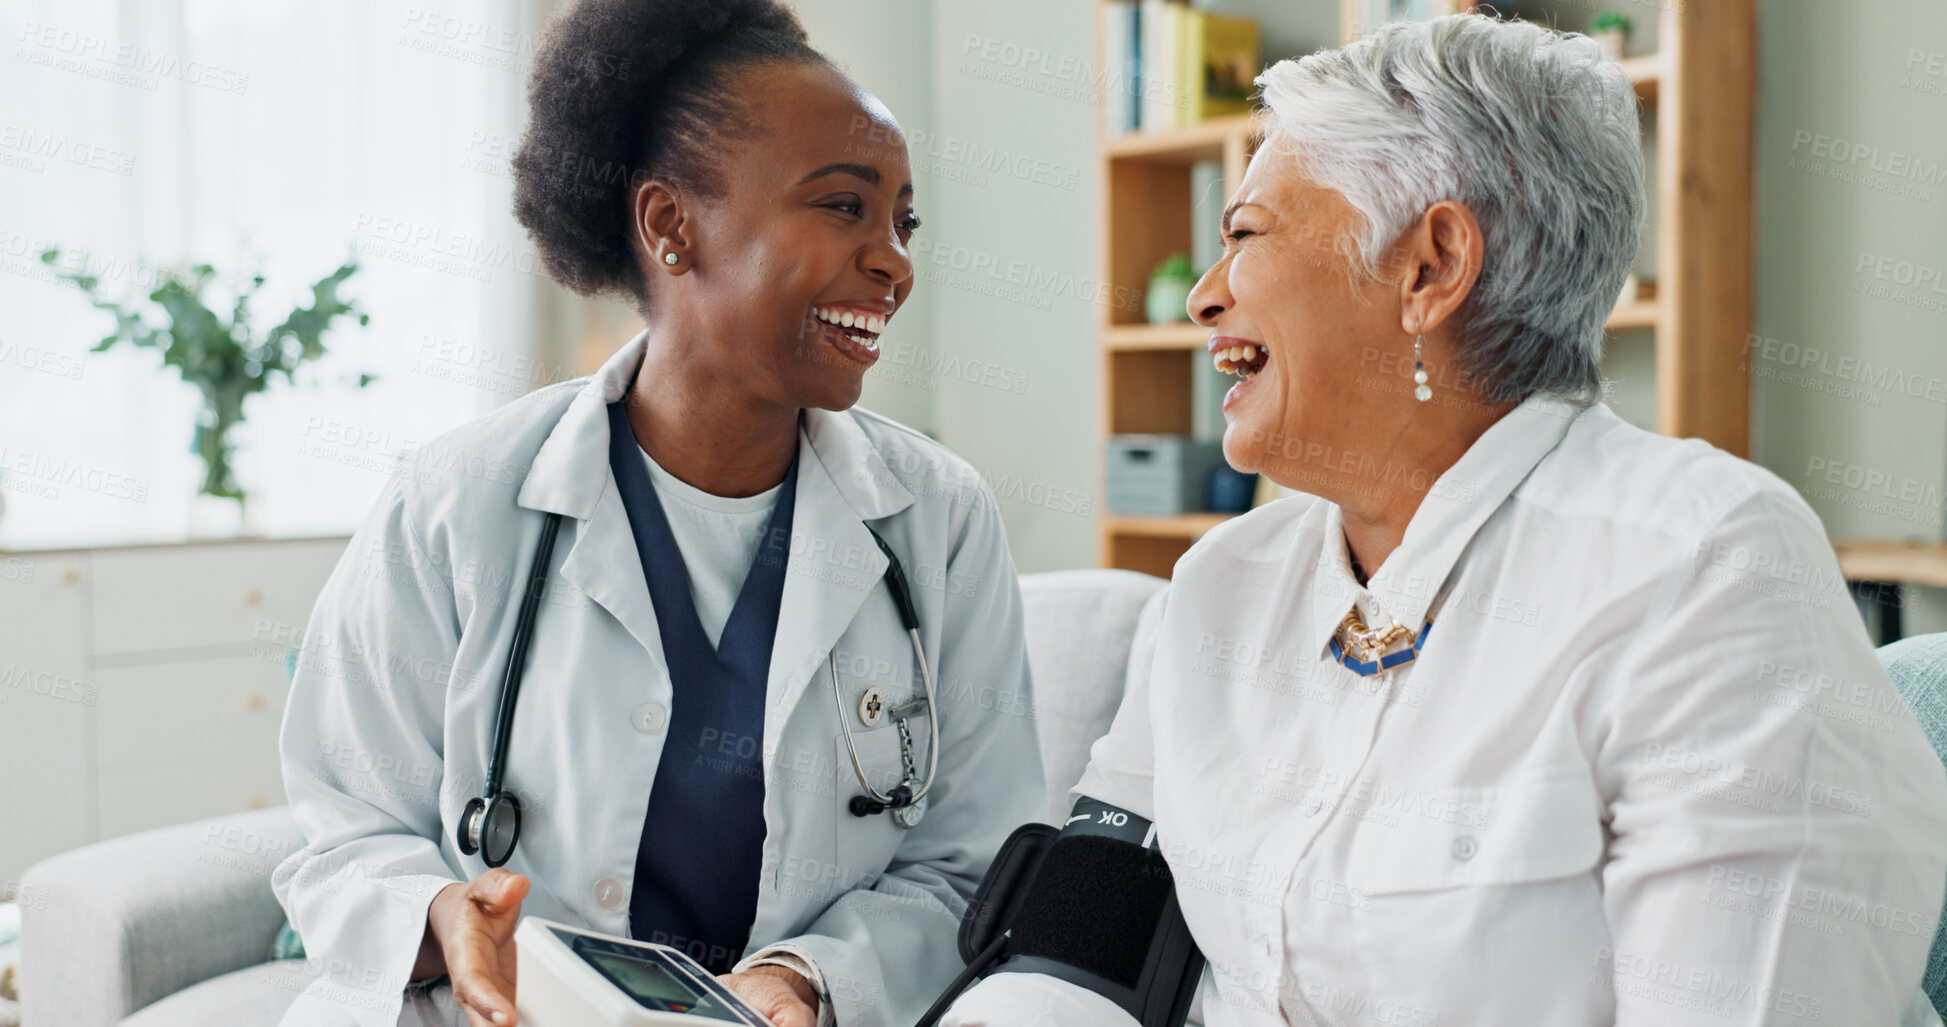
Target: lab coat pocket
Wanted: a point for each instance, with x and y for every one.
(865, 845)
(1543, 827)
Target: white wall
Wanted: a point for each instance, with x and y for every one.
(883, 47)
(1840, 70)
(995, 352)
(1013, 265)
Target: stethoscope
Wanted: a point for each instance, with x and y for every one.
(907, 800)
(491, 823)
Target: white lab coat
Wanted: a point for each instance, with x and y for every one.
(389, 726)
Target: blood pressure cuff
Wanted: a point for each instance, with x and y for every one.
(1092, 904)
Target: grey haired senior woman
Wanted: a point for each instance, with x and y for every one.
(1519, 714)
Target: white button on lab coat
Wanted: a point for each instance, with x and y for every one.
(389, 726)
(1646, 770)
(651, 717)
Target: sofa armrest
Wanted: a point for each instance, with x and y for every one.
(114, 926)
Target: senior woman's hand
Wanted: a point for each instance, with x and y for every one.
(781, 994)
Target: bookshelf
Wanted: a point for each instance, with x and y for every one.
(1882, 570)
(1698, 91)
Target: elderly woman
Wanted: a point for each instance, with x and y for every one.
(1519, 714)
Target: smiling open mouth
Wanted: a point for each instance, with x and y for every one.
(1242, 360)
(858, 326)
(853, 332)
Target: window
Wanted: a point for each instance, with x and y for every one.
(260, 136)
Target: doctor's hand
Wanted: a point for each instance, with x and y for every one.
(780, 994)
(473, 924)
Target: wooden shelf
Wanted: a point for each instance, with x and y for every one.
(1701, 180)
(1203, 141)
(1189, 526)
(1186, 335)
(1646, 74)
(1639, 314)
(1908, 563)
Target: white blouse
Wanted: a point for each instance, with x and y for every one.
(1645, 771)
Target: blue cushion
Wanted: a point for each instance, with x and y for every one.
(287, 945)
(1918, 667)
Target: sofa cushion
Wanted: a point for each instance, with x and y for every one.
(1080, 627)
(251, 997)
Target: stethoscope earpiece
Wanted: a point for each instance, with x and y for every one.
(898, 799)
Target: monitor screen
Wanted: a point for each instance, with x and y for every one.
(651, 978)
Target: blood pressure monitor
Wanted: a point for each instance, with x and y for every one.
(569, 977)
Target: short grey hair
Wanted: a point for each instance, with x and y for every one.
(1533, 130)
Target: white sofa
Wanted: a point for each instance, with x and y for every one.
(174, 926)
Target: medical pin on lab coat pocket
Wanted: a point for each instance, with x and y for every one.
(872, 706)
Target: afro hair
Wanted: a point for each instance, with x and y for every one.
(627, 90)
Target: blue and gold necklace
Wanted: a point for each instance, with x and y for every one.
(1367, 651)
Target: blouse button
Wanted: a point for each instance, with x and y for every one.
(608, 893)
(1464, 847)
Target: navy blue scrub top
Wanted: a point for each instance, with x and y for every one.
(698, 864)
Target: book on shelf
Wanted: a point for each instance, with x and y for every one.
(1219, 63)
(1120, 85)
(1168, 65)
(1158, 25)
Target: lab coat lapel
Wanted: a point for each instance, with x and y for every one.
(571, 476)
(605, 566)
(834, 564)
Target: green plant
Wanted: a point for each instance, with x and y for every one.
(1611, 21)
(1176, 265)
(220, 355)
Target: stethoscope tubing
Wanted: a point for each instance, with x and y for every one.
(510, 681)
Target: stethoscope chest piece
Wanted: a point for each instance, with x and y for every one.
(490, 826)
(909, 816)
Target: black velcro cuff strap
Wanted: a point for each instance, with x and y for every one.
(1095, 905)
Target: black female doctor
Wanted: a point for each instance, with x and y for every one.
(678, 753)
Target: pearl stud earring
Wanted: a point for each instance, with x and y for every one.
(669, 258)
